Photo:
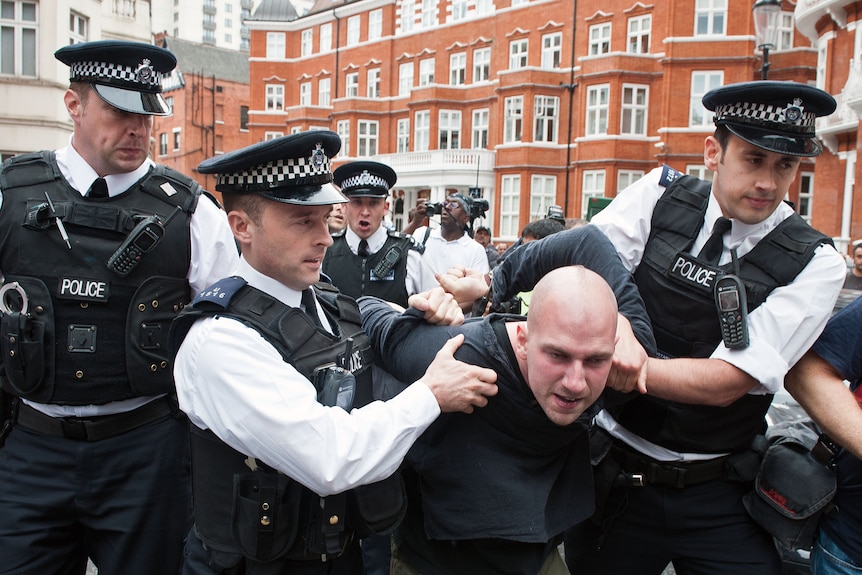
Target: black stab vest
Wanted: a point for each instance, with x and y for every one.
(90, 335)
(355, 276)
(685, 320)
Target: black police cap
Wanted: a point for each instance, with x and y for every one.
(772, 115)
(127, 75)
(293, 169)
(364, 179)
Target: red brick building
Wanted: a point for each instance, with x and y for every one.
(535, 102)
(209, 93)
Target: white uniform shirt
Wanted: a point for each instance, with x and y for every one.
(441, 255)
(233, 382)
(213, 256)
(375, 243)
(781, 329)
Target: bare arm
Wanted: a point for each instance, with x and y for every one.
(821, 391)
(695, 380)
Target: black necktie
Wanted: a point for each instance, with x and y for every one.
(363, 250)
(711, 251)
(99, 189)
(310, 307)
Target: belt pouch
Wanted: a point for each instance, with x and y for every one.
(265, 515)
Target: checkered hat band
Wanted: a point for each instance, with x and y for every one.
(117, 72)
(365, 180)
(295, 169)
(766, 116)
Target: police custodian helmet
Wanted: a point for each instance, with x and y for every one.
(294, 169)
(127, 75)
(772, 115)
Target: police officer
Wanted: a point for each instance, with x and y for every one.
(367, 258)
(269, 370)
(100, 249)
(680, 459)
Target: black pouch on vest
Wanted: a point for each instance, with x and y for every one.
(22, 345)
(378, 508)
(793, 490)
(265, 512)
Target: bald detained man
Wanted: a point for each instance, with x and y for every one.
(493, 492)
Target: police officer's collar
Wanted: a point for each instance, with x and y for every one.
(375, 240)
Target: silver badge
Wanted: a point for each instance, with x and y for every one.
(793, 112)
(318, 157)
(364, 178)
(145, 72)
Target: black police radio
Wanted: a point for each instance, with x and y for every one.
(732, 308)
(141, 240)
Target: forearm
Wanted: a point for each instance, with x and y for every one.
(821, 391)
(698, 381)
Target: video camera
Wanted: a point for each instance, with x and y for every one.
(477, 207)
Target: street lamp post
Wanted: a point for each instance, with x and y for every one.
(766, 14)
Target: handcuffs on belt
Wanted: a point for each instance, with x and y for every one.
(5, 304)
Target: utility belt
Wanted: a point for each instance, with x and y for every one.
(98, 427)
(638, 470)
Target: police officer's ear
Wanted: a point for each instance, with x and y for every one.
(241, 225)
(712, 152)
(74, 104)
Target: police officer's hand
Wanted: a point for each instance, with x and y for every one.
(439, 307)
(458, 386)
(465, 284)
(628, 371)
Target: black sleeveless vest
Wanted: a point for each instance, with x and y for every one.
(678, 292)
(356, 276)
(90, 335)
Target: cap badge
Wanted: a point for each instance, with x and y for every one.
(318, 156)
(145, 72)
(793, 112)
(364, 178)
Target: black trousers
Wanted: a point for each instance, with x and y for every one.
(124, 501)
(704, 529)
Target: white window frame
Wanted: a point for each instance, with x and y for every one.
(353, 29)
(458, 68)
(479, 130)
(710, 17)
(634, 105)
(342, 128)
(519, 51)
(459, 10)
(805, 205)
(163, 144)
(405, 78)
(429, 13)
(481, 65)
(510, 205)
(448, 129)
(408, 16)
(402, 143)
(305, 94)
(702, 81)
(699, 171)
(306, 43)
(275, 45)
(421, 130)
(426, 72)
(639, 33)
(625, 178)
(375, 24)
(513, 119)
(275, 97)
(598, 103)
(786, 30)
(600, 39)
(546, 118)
(324, 92)
(177, 139)
(543, 194)
(79, 27)
(24, 28)
(273, 135)
(351, 85)
(552, 50)
(373, 83)
(593, 187)
(326, 37)
(367, 134)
